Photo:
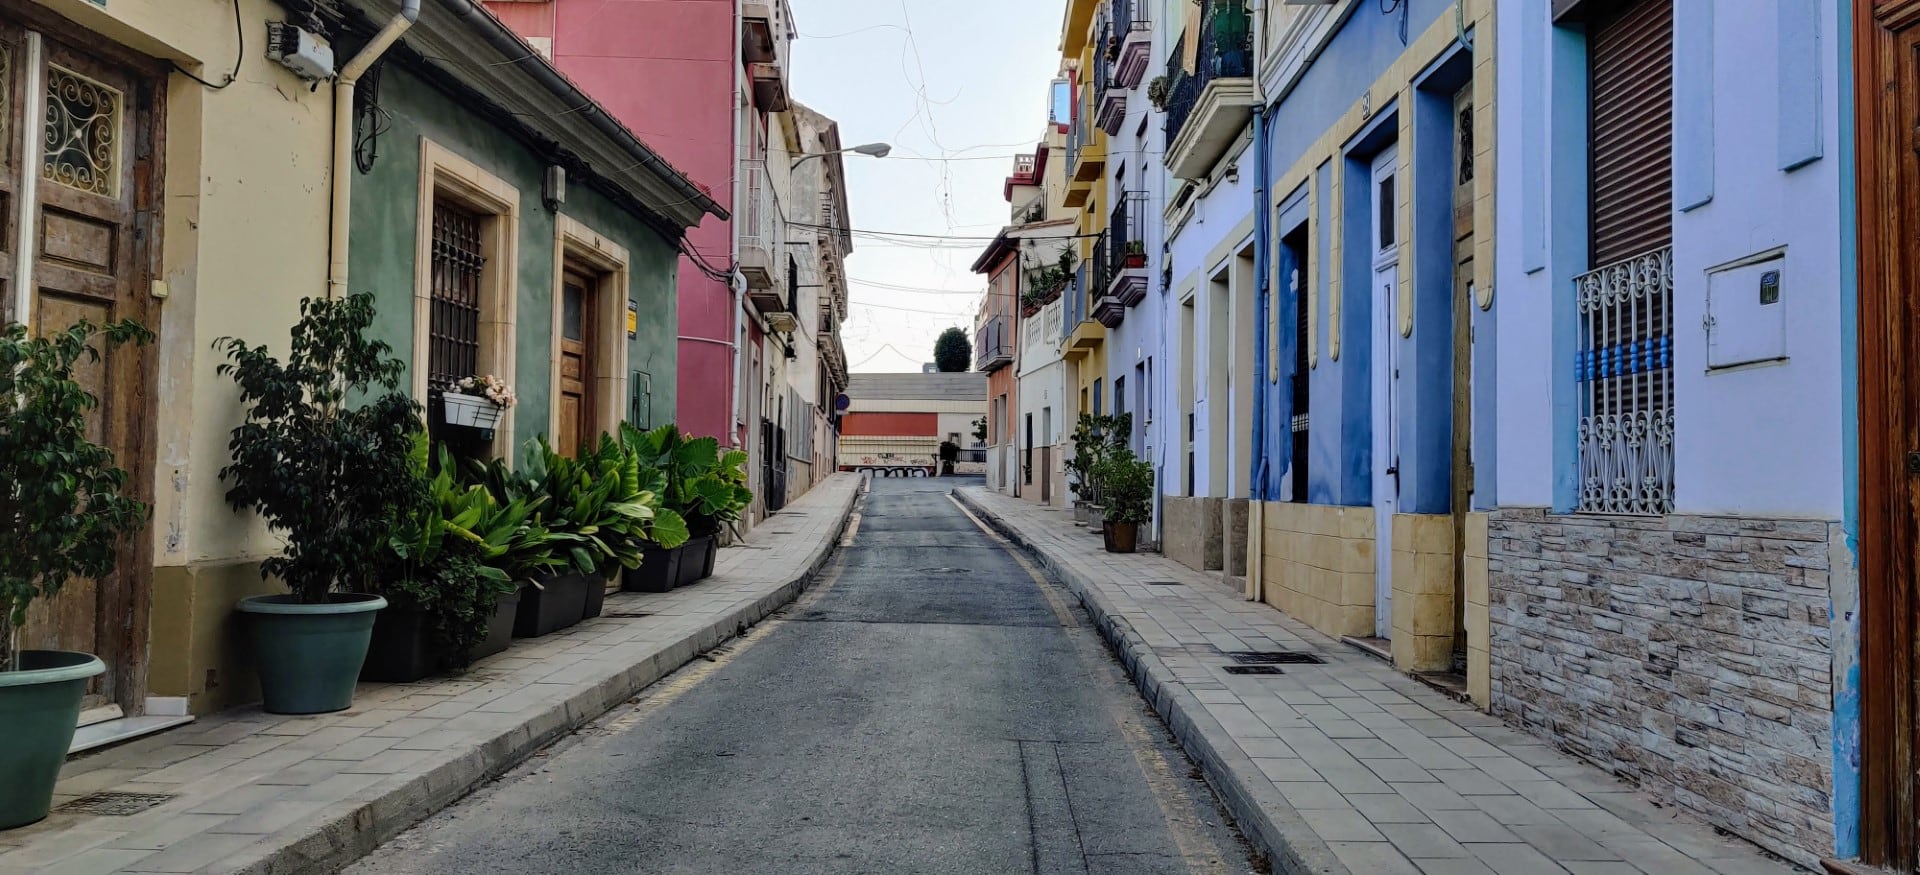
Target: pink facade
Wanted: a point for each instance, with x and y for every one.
(666, 71)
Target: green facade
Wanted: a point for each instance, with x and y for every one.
(386, 213)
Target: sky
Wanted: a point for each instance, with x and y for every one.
(961, 82)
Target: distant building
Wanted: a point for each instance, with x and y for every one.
(895, 422)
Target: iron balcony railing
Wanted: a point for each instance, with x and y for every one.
(1127, 229)
(1127, 18)
(1624, 367)
(1075, 302)
(1101, 271)
(993, 343)
(1225, 51)
(1103, 58)
(759, 218)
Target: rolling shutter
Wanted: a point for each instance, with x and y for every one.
(1631, 58)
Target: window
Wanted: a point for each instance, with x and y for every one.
(1098, 396)
(465, 251)
(1624, 363)
(1296, 246)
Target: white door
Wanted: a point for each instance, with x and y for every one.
(1386, 383)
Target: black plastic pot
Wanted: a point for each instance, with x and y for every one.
(596, 597)
(659, 571)
(713, 554)
(693, 560)
(500, 628)
(401, 650)
(558, 602)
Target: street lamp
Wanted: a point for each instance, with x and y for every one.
(875, 150)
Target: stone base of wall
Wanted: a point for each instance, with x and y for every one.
(1423, 592)
(1317, 565)
(1233, 537)
(1688, 653)
(199, 647)
(1479, 663)
(1191, 531)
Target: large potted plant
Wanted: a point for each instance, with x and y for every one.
(1126, 485)
(324, 456)
(610, 505)
(700, 485)
(65, 515)
(1095, 438)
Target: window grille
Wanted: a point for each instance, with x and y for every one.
(1625, 371)
(453, 331)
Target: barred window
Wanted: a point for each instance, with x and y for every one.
(454, 323)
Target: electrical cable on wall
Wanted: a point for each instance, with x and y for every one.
(239, 54)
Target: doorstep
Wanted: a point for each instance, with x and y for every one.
(1348, 767)
(246, 791)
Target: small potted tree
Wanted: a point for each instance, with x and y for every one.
(1136, 254)
(1126, 485)
(326, 460)
(65, 515)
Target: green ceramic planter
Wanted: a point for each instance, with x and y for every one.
(39, 706)
(309, 656)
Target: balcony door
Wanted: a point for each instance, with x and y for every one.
(1386, 382)
(80, 167)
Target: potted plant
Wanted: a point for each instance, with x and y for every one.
(1126, 485)
(446, 580)
(1095, 437)
(65, 514)
(326, 460)
(1157, 91)
(702, 486)
(1136, 254)
(611, 505)
(476, 402)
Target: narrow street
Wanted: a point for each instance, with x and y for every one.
(931, 705)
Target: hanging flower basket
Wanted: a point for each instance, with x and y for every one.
(476, 402)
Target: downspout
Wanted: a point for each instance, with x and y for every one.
(736, 284)
(343, 88)
(1262, 285)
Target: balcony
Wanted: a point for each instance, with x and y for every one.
(1082, 335)
(993, 345)
(761, 247)
(1107, 309)
(1127, 249)
(1086, 153)
(763, 47)
(1133, 48)
(1208, 107)
(1113, 99)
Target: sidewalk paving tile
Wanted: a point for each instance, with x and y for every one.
(1362, 769)
(253, 792)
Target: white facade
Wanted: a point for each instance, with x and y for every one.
(1046, 403)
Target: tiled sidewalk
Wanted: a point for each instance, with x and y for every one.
(253, 792)
(1351, 766)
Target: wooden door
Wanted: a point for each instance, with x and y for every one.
(85, 131)
(1887, 68)
(576, 363)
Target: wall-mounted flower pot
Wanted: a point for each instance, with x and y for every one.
(309, 656)
(402, 649)
(659, 571)
(558, 602)
(471, 411)
(1121, 537)
(39, 706)
(500, 628)
(693, 560)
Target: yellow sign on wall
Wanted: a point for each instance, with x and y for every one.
(633, 320)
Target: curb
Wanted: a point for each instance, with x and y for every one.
(354, 829)
(1263, 815)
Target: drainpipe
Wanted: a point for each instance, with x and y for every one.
(736, 284)
(1263, 266)
(343, 88)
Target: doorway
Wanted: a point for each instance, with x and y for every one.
(577, 362)
(1386, 380)
(80, 159)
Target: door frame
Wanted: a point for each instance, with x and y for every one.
(1887, 182)
(122, 625)
(580, 249)
(1384, 266)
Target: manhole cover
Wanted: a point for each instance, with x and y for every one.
(1255, 669)
(115, 804)
(1160, 582)
(1274, 657)
(625, 615)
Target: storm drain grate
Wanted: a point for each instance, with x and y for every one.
(1160, 583)
(625, 615)
(1274, 657)
(115, 804)
(1255, 669)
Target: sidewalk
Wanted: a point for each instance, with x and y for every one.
(1350, 766)
(245, 791)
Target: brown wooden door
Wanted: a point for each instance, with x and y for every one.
(94, 182)
(576, 363)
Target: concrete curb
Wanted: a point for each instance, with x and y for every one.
(344, 833)
(1263, 815)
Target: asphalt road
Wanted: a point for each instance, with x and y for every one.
(930, 706)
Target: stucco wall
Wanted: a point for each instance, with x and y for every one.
(385, 229)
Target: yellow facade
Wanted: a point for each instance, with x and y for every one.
(244, 238)
(1087, 193)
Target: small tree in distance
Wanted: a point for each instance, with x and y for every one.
(953, 352)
